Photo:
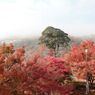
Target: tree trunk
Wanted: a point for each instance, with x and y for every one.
(56, 50)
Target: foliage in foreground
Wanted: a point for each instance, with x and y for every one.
(81, 59)
(44, 75)
(37, 76)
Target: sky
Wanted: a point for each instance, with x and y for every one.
(23, 18)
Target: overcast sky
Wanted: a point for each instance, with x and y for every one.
(20, 18)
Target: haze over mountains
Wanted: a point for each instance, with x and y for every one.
(31, 44)
(30, 41)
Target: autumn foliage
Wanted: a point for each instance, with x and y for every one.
(81, 59)
(44, 75)
(36, 76)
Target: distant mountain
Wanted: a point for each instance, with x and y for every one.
(22, 42)
(90, 37)
(75, 40)
(33, 43)
(78, 40)
(30, 44)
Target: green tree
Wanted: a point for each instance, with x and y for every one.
(54, 38)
